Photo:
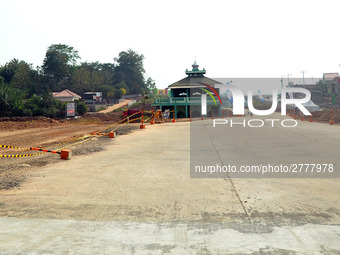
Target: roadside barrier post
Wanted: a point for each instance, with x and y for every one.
(173, 117)
(112, 134)
(331, 122)
(65, 154)
(142, 126)
(152, 118)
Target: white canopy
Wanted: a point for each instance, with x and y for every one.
(310, 106)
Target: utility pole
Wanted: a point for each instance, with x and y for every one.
(288, 78)
(303, 77)
(281, 81)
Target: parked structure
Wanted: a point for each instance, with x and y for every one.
(93, 97)
(66, 96)
(332, 80)
(162, 92)
(184, 96)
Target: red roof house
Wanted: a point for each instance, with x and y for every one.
(66, 96)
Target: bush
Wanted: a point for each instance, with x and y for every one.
(43, 106)
(81, 108)
(11, 100)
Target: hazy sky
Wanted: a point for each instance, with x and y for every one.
(228, 38)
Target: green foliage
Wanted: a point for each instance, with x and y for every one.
(33, 106)
(81, 108)
(25, 90)
(150, 83)
(55, 65)
(11, 100)
(81, 80)
(321, 86)
(8, 70)
(106, 90)
(123, 91)
(70, 54)
(118, 93)
(122, 85)
(130, 69)
(44, 106)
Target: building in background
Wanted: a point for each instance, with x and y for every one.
(316, 94)
(184, 96)
(66, 96)
(332, 81)
(93, 97)
(162, 92)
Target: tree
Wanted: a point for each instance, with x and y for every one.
(107, 71)
(21, 75)
(150, 83)
(123, 91)
(321, 86)
(8, 70)
(122, 85)
(25, 78)
(81, 108)
(80, 82)
(118, 93)
(106, 90)
(71, 55)
(130, 69)
(57, 63)
(11, 100)
(44, 105)
(86, 77)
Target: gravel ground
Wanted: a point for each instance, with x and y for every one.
(14, 171)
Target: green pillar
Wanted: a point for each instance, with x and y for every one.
(186, 104)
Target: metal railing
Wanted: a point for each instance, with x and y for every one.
(183, 100)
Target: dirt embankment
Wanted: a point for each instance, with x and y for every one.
(27, 132)
(324, 116)
(321, 116)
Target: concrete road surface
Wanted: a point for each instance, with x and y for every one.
(137, 197)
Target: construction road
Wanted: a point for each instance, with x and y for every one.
(137, 197)
(116, 106)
